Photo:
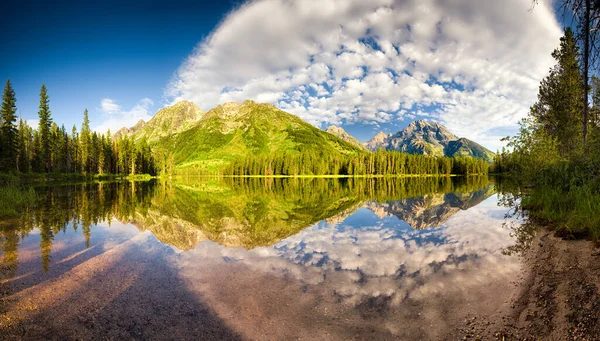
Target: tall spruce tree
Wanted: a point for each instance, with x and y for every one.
(85, 140)
(44, 130)
(8, 149)
(559, 109)
(22, 144)
(76, 167)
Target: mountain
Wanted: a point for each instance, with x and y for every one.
(378, 141)
(431, 210)
(466, 147)
(236, 130)
(429, 138)
(342, 134)
(167, 121)
(129, 131)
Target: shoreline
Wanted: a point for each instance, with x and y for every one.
(556, 295)
(325, 176)
(58, 177)
(10, 179)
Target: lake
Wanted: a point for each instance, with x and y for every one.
(255, 258)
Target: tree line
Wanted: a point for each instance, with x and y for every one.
(381, 162)
(555, 153)
(549, 146)
(53, 149)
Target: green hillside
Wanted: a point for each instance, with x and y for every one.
(466, 147)
(235, 130)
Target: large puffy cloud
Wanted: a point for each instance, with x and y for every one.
(474, 65)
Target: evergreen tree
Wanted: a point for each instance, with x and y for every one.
(85, 140)
(44, 131)
(595, 109)
(23, 142)
(8, 147)
(76, 167)
(560, 106)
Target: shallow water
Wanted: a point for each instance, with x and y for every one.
(257, 259)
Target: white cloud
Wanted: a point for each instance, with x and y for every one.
(109, 106)
(116, 118)
(33, 123)
(344, 61)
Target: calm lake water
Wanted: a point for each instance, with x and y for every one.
(263, 259)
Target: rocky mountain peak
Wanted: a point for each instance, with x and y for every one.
(378, 141)
(166, 121)
(342, 134)
(335, 130)
(428, 138)
(138, 125)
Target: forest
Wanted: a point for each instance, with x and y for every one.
(53, 149)
(556, 153)
(381, 162)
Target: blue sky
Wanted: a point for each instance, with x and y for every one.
(367, 66)
(86, 51)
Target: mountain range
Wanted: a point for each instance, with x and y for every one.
(429, 138)
(210, 139)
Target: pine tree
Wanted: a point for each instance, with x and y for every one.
(22, 147)
(560, 99)
(44, 130)
(8, 148)
(85, 140)
(76, 167)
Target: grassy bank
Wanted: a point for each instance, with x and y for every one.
(574, 213)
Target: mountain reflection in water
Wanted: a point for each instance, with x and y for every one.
(280, 258)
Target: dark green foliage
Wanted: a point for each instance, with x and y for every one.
(548, 153)
(560, 106)
(43, 158)
(313, 162)
(24, 138)
(85, 143)
(51, 149)
(8, 130)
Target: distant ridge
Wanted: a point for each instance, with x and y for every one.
(429, 138)
(342, 134)
(166, 121)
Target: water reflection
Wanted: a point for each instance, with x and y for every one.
(287, 258)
